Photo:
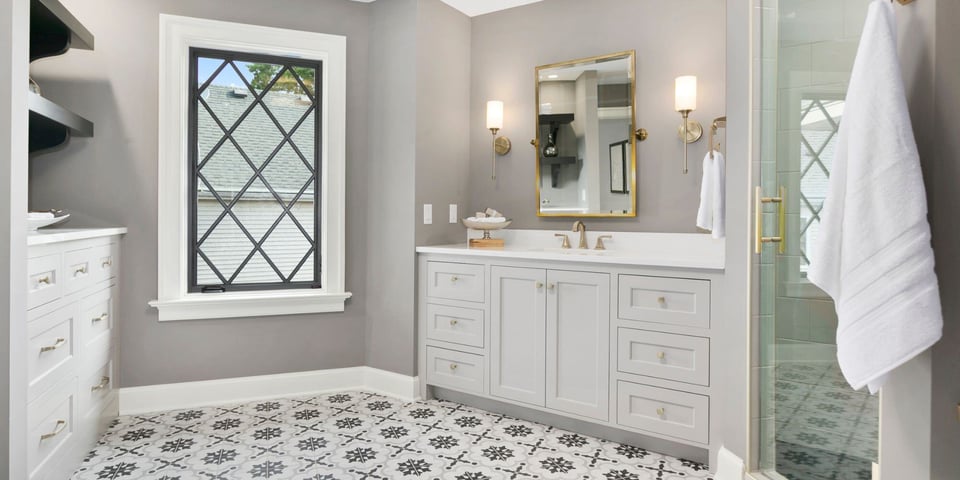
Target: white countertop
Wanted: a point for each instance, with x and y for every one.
(56, 235)
(672, 250)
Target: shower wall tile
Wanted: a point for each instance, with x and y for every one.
(832, 62)
(794, 66)
(788, 150)
(809, 21)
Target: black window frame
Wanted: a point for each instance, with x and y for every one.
(194, 164)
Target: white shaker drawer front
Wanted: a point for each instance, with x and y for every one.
(51, 349)
(78, 270)
(457, 370)
(674, 301)
(43, 280)
(51, 425)
(96, 316)
(455, 281)
(95, 389)
(666, 412)
(104, 262)
(663, 355)
(455, 325)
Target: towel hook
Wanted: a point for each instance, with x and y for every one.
(718, 123)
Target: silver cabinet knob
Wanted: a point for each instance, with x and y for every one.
(453, 322)
(552, 286)
(661, 355)
(539, 285)
(662, 301)
(453, 366)
(661, 411)
(454, 279)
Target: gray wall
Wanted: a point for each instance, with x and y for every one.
(111, 179)
(390, 187)
(671, 38)
(443, 119)
(946, 237)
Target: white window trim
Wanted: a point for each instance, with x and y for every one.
(177, 36)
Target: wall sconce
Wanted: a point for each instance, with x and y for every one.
(686, 102)
(501, 145)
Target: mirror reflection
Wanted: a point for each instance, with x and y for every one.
(586, 160)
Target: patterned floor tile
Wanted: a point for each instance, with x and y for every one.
(358, 435)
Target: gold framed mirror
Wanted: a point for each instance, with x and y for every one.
(586, 147)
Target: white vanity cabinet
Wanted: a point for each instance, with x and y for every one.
(71, 346)
(582, 336)
(549, 338)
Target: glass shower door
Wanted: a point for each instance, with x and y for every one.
(813, 425)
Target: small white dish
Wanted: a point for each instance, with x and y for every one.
(34, 223)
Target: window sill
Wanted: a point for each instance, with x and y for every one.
(248, 304)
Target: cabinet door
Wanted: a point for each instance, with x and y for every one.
(578, 342)
(517, 334)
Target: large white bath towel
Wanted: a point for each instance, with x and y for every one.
(873, 253)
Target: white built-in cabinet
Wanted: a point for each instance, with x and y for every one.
(549, 332)
(626, 347)
(72, 356)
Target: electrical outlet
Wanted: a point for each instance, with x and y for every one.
(453, 213)
(427, 214)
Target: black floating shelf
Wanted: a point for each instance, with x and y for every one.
(51, 125)
(558, 160)
(558, 118)
(54, 30)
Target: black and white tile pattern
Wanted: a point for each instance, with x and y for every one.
(359, 435)
(825, 430)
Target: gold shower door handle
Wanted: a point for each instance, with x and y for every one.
(759, 200)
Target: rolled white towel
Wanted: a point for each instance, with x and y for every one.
(40, 215)
(488, 219)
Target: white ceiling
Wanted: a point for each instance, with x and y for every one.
(472, 8)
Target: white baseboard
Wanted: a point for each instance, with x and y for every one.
(174, 396)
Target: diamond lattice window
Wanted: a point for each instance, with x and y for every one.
(254, 130)
(819, 126)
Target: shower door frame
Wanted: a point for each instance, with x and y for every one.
(905, 401)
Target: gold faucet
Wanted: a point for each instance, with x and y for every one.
(578, 226)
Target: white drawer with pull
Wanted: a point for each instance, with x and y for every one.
(95, 389)
(456, 281)
(674, 301)
(77, 270)
(680, 358)
(96, 316)
(51, 425)
(43, 280)
(458, 370)
(104, 262)
(51, 349)
(666, 412)
(455, 325)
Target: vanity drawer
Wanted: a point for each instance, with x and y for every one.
(43, 280)
(51, 428)
(674, 301)
(663, 355)
(95, 389)
(455, 325)
(666, 412)
(455, 281)
(458, 370)
(78, 270)
(51, 349)
(104, 262)
(96, 317)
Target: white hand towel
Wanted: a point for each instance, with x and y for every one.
(873, 253)
(713, 195)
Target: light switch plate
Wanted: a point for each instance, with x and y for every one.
(427, 214)
(453, 213)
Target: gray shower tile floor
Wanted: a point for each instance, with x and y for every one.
(825, 430)
(360, 435)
